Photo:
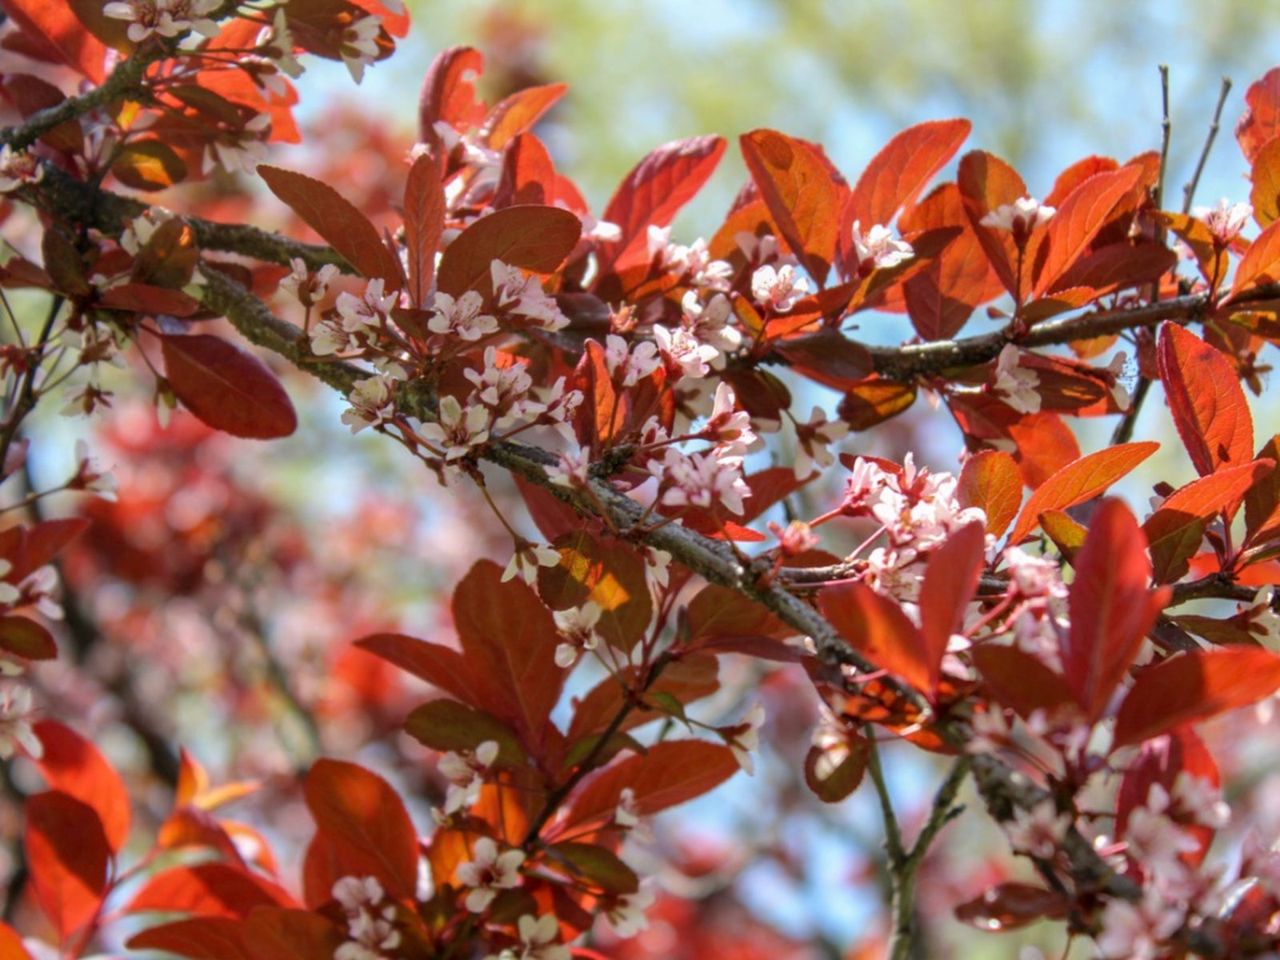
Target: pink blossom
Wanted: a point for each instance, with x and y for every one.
(1021, 218)
(1225, 220)
(778, 289)
(877, 249)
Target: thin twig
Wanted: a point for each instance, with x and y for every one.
(1189, 191)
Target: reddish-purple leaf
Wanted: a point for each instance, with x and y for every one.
(449, 93)
(58, 24)
(1192, 687)
(227, 388)
(341, 225)
(366, 823)
(209, 890)
(655, 190)
(1262, 502)
(950, 578)
(670, 773)
(877, 628)
(438, 665)
(1080, 481)
(1020, 681)
(423, 224)
(1208, 405)
(1111, 607)
(1008, 906)
(510, 638)
(532, 237)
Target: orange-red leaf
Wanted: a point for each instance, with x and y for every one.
(987, 182)
(11, 945)
(670, 773)
(68, 856)
(1260, 263)
(877, 628)
(655, 190)
(1019, 680)
(74, 766)
(449, 93)
(1111, 607)
(438, 665)
(227, 388)
(1208, 405)
(903, 167)
(58, 24)
(1080, 481)
(991, 481)
(531, 237)
(1262, 503)
(1078, 220)
(803, 197)
(1177, 527)
(1265, 195)
(209, 890)
(200, 938)
(341, 225)
(1260, 122)
(519, 112)
(364, 820)
(1192, 687)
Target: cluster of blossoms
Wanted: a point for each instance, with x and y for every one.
(371, 919)
(916, 510)
(692, 264)
(164, 18)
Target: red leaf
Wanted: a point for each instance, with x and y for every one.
(1260, 263)
(1084, 212)
(1265, 175)
(31, 548)
(530, 237)
(670, 773)
(802, 196)
(655, 190)
(519, 112)
(1208, 405)
(943, 295)
(827, 357)
(987, 182)
(150, 299)
(438, 665)
(897, 174)
(1260, 121)
(1012, 905)
(227, 388)
(877, 628)
(201, 938)
(1177, 527)
(1045, 445)
(1111, 608)
(990, 481)
(1262, 503)
(1192, 687)
(209, 890)
(449, 93)
(950, 578)
(423, 224)
(337, 221)
(510, 639)
(528, 175)
(68, 856)
(58, 24)
(1080, 481)
(74, 766)
(1020, 681)
(365, 820)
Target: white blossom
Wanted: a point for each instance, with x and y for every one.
(878, 249)
(1020, 218)
(744, 738)
(813, 442)
(630, 363)
(372, 402)
(458, 431)
(461, 317)
(538, 938)
(360, 45)
(700, 480)
(522, 294)
(728, 426)
(15, 723)
(682, 349)
(164, 18)
(18, 168)
(1225, 220)
(1018, 386)
(465, 772)
(778, 289)
(489, 872)
(1037, 832)
(526, 560)
(578, 627)
(1136, 931)
(628, 916)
